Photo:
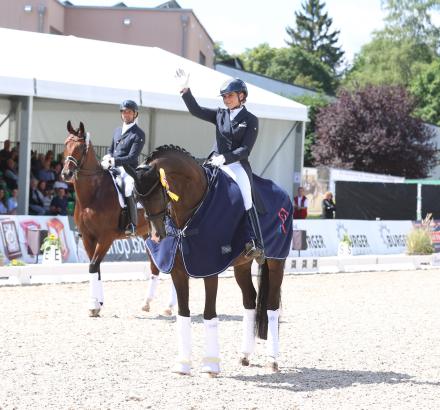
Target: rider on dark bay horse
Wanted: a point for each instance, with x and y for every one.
(125, 149)
(236, 133)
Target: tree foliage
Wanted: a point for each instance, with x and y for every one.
(426, 88)
(313, 34)
(290, 64)
(373, 130)
(314, 104)
(389, 62)
(411, 19)
(220, 53)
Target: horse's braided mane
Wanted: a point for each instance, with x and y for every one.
(166, 148)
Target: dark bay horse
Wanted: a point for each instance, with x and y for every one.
(97, 208)
(177, 192)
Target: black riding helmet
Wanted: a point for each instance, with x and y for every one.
(234, 86)
(128, 105)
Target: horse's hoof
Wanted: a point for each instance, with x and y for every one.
(211, 369)
(273, 367)
(94, 312)
(244, 361)
(184, 369)
(167, 312)
(146, 307)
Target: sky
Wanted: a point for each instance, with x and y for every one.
(242, 24)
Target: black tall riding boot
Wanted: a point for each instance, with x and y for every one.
(132, 216)
(255, 249)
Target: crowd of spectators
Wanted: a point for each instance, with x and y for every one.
(49, 194)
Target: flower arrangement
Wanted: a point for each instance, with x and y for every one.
(16, 262)
(49, 241)
(346, 239)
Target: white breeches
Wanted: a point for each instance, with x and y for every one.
(238, 174)
(127, 180)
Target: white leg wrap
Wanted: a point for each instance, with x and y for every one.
(211, 361)
(173, 296)
(96, 292)
(248, 342)
(272, 345)
(152, 286)
(183, 326)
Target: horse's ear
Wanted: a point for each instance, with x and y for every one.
(81, 130)
(70, 129)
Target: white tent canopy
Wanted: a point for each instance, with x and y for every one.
(72, 68)
(69, 78)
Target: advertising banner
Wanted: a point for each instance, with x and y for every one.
(22, 235)
(367, 237)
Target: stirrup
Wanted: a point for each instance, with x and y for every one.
(252, 250)
(130, 230)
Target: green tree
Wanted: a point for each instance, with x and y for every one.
(411, 19)
(426, 88)
(314, 104)
(258, 59)
(290, 64)
(220, 53)
(388, 61)
(313, 33)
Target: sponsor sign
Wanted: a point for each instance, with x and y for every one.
(367, 237)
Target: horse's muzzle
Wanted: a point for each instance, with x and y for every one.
(67, 175)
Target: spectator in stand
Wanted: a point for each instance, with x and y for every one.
(48, 196)
(58, 205)
(300, 205)
(57, 168)
(3, 206)
(5, 153)
(11, 174)
(36, 204)
(46, 173)
(328, 206)
(13, 202)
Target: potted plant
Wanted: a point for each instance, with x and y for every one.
(51, 248)
(344, 247)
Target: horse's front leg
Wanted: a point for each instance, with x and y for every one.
(243, 276)
(96, 289)
(211, 361)
(183, 322)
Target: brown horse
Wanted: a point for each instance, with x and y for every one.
(97, 209)
(182, 187)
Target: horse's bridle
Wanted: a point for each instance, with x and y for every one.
(160, 214)
(77, 163)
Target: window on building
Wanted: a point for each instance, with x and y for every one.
(202, 58)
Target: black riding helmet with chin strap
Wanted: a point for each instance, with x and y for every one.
(128, 105)
(234, 86)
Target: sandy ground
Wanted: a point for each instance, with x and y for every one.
(348, 341)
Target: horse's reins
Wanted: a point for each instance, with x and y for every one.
(159, 214)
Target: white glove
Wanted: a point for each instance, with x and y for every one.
(106, 157)
(182, 79)
(108, 162)
(217, 161)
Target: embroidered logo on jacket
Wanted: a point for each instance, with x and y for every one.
(242, 125)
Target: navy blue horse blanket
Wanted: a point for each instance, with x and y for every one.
(219, 229)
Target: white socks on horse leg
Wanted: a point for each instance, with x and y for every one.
(173, 296)
(211, 361)
(273, 346)
(96, 292)
(183, 326)
(152, 286)
(248, 342)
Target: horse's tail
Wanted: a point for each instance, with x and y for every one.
(263, 292)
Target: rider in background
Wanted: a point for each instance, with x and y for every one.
(236, 133)
(125, 149)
